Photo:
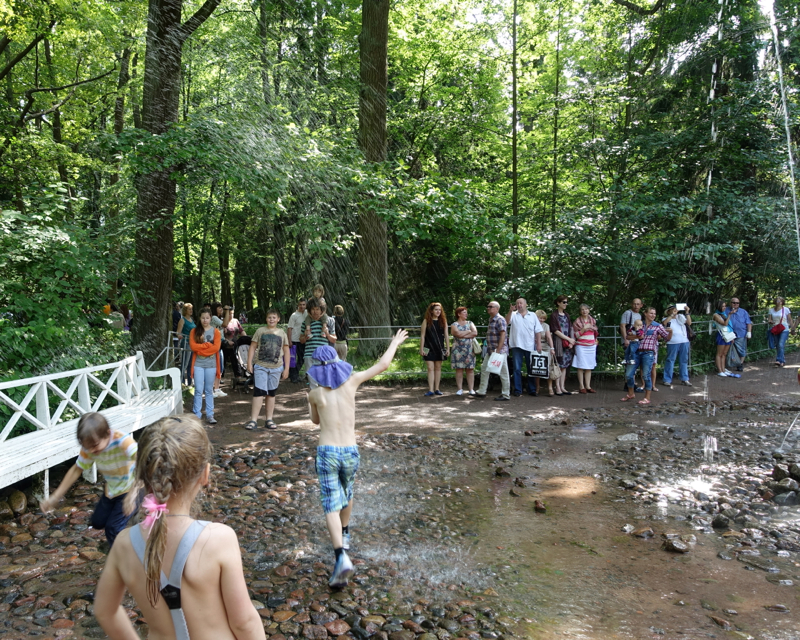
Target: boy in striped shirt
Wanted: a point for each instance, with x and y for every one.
(114, 453)
(314, 332)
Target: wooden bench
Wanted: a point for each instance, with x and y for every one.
(126, 387)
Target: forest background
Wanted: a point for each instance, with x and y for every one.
(244, 150)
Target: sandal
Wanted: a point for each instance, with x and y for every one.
(626, 398)
(644, 401)
(270, 425)
(551, 394)
(250, 425)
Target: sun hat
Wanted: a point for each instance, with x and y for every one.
(327, 370)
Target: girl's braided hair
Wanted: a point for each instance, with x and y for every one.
(173, 453)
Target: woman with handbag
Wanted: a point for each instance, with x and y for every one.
(563, 340)
(585, 331)
(434, 346)
(780, 319)
(723, 340)
(462, 357)
(547, 347)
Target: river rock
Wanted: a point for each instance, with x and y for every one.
(18, 502)
(720, 522)
(5, 509)
(314, 632)
(785, 485)
(402, 635)
(628, 437)
(676, 545)
(337, 627)
(787, 499)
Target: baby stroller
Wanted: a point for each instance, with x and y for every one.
(242, 381)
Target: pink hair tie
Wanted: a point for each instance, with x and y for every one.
(154, 509)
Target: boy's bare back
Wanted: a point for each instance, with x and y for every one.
(334, 410)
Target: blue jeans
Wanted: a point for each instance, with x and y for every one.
(681, 352)
(737, 353)
(520, 355)
(779, 343)
(644, 359)
(110, 515)
(204, 383)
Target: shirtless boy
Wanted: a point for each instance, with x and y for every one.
(332, 406)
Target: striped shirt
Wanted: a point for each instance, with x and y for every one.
(117, 463)
(316, 339)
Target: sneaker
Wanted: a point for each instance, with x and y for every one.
(477, 394)
(686, 383)
(342, 571)
(472, 393)
(502, 398)
(438, 393)
(346, 541)
(459, 392)
(728, 371)
(429, 394)
(211, 420)
(517, 394)
(219, 393)
(722, 374)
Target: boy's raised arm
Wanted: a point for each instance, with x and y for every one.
(386, 359)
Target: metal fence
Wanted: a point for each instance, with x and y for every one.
(610, 351)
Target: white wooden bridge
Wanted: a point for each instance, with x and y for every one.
(50, 407)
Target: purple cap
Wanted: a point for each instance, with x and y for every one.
(327, 369)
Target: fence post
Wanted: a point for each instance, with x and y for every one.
(85, 402)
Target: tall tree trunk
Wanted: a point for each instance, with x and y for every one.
(279, 235)
(373, 268)
(556, 106)
(223, 251)
(57, 127)
(514, 178)
(263, 52)
(135, 109)
(156, 190)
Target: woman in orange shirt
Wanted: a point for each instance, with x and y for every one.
(205, 342)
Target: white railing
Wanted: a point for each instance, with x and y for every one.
(126, 383)
(52, 404)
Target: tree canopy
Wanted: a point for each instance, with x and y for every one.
(651, 156)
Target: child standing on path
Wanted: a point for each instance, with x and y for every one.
(114, 453)
(315, 332)
(205, 342)
(332, 405)
(270, 348)
(205, 596)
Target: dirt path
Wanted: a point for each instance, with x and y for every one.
(571, 572)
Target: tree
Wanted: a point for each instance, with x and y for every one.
(373, 269)
(156, 189)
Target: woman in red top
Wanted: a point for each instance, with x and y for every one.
(585, 332)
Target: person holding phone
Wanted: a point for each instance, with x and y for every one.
(434, 345)
(678, 344)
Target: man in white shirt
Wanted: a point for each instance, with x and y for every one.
(524, 337)
(293, 334)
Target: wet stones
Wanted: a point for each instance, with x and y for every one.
(502, 472)
(721, 521)
(18, 502)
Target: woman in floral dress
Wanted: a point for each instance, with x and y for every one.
(462, 356)
(563, 340)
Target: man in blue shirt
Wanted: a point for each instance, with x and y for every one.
(739, 320)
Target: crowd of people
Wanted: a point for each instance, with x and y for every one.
(514, 339)
(544, 345)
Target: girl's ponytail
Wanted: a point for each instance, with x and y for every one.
(173, 454)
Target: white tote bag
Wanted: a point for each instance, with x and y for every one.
(496, 362)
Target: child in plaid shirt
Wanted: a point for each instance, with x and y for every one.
(332, 406)
(114, 453)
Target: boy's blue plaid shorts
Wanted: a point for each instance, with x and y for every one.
(336, 470)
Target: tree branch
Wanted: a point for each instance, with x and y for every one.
(72, 84)
(4, 42)
(639, 10)
(13, 62)
(202, 14)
